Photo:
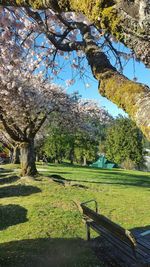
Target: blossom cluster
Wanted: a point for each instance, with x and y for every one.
(26, 37)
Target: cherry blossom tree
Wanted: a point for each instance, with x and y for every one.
(26, 103)
(58, 28)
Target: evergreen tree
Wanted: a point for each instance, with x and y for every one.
(57, 145)
(124, 142)
(86, 148)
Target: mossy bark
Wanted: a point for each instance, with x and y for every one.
(134, 98)
(131, 97)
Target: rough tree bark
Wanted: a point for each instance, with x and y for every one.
(16, 155)
(28, 167)
(26, 145)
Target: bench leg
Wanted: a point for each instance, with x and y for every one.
(88, 231)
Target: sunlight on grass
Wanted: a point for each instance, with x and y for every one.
(40, 222)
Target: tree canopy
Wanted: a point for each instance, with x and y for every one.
(28, 101)
(97, 23)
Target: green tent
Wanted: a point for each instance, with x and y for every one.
(103, 163)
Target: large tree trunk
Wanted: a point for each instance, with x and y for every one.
(16, 155)
(134, 98)
(28, 167)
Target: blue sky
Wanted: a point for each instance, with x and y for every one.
(131, 70)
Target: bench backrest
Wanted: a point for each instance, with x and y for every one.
(115, 229)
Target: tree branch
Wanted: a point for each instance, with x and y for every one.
(66, 47)
(128, 21)
(132, 97)
(39, 125)
(9, 130)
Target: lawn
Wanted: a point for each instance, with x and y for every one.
(40, 224)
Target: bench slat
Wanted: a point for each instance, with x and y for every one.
(144, 243)
(122, 233)
(134, 250)
(123, 247)
(120, 244)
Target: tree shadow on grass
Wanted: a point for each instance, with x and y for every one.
(126, 174)
(3, 175)
(128, 180)
(8, 179)
(52, 252)
(47, 252)
(18, 190)
(5, 171)
(58, 172)
(11, 215)
(108, 177)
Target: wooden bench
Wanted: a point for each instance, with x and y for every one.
(132, 250)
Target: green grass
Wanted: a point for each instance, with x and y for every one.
(40, 225)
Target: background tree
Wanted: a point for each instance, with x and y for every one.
(75, 147)
(4, 152)
(12, 146)
(146, 143)
(124, 142)
(26, 103)
(86, 148)
(61, 24)
(76, 139)
(56, 144)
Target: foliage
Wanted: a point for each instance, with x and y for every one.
(124, 142)
(86, 148)
(146, 143)
(56, 145)
(27, 102)
(47, 38)
(77, 146)
(76, 140)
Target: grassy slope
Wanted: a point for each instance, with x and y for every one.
(40, 224)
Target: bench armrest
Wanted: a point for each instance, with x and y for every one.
(92, 200)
